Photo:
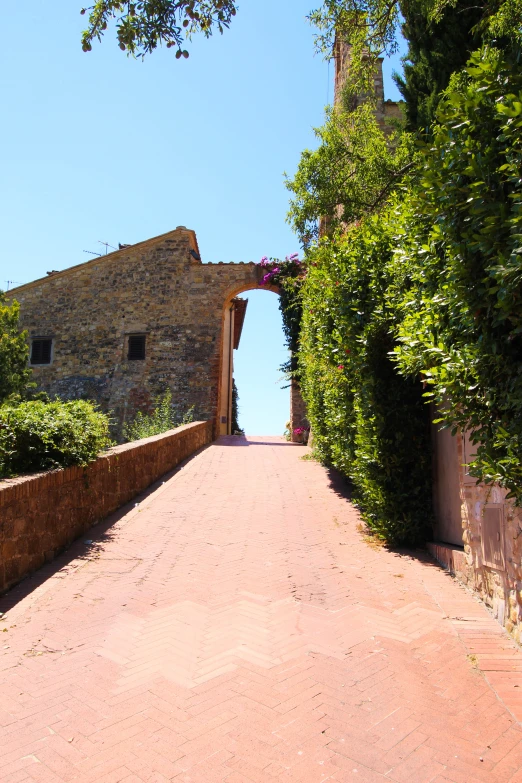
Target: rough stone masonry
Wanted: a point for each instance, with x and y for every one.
(157, 291)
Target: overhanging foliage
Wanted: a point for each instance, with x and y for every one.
(142, 25)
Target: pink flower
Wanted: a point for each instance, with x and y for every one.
(340, 366)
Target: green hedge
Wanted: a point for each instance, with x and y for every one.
(461, 323)
(38, 435)
(367, 420)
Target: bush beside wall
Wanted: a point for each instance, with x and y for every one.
(43, 435)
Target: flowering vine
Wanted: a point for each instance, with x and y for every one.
(288, 275)
(276, 270)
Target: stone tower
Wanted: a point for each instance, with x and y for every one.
(386, 111)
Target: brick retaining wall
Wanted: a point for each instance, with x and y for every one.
(43, 513)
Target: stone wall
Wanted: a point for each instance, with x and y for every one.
(491, 560)
(43, 513)
(298, 416)
(159, 288)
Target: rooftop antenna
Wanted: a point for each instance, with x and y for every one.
(11, 282)
(92, 253)
(106, 246)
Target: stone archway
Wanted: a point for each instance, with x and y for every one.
(229, 340)
(234, 311)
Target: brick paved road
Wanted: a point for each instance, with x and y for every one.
(235, 626)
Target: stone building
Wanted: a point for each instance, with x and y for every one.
(122, 328)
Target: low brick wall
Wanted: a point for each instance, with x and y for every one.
(45, 512)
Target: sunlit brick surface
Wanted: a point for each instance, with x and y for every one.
(236, 626)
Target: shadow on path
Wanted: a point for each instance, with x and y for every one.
(343, 488)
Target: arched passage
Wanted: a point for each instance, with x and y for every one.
(234, 313)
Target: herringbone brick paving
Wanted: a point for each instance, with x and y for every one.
(235, 626)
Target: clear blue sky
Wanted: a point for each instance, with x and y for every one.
(101, 147)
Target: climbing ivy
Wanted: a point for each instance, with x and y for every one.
(429, 290)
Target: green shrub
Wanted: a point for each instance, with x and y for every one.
(38, 435)
(14, 352)
(163, 417)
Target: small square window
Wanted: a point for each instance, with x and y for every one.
(136, 347)
(41, 351)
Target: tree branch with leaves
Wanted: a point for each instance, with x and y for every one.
(143, 25)
(353, 171)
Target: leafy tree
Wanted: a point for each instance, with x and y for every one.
(14, 351)
(142, 25)
(352, 172)
(437, 47)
